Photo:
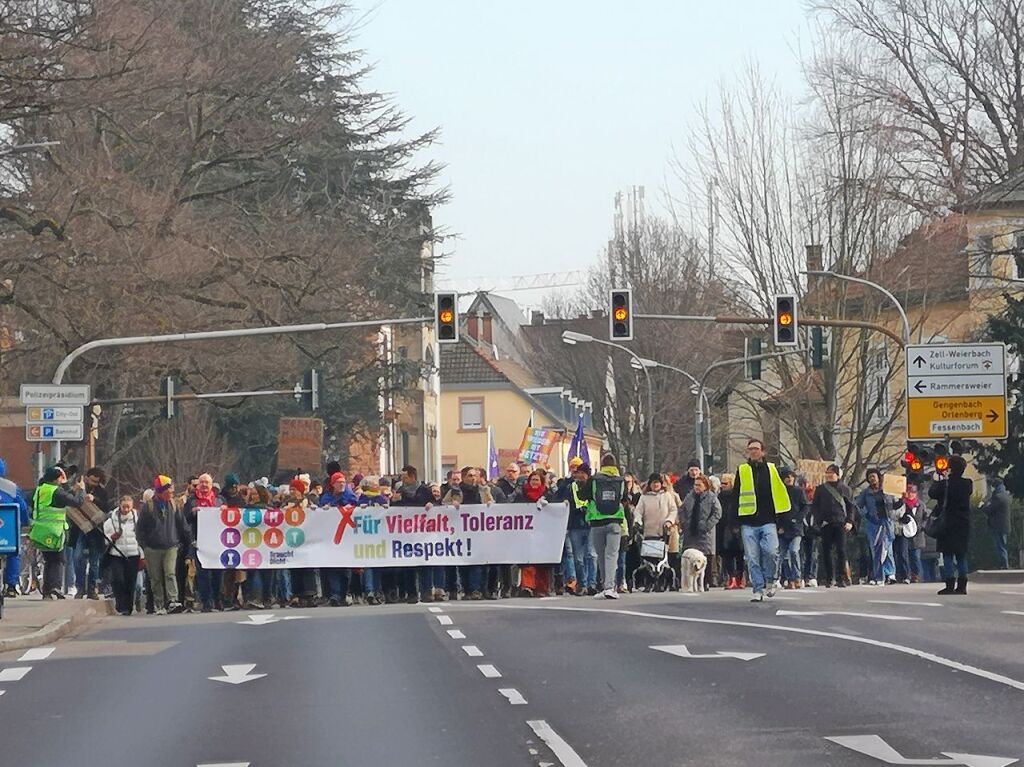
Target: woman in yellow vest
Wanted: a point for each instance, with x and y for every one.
(760, 496)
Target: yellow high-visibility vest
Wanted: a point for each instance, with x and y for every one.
(747, 497)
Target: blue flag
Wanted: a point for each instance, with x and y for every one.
(492, 457)
(578, 446)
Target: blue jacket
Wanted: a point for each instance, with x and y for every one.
(11, 493)
(867, 502)
(345, 498)
(373, 499)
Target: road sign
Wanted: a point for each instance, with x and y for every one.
(56, 394)
(9, 530)
(49, 415)
(956, 390)
(63, 432)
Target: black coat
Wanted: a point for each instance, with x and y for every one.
(954, 497)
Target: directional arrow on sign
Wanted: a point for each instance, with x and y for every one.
(852, 615)
(992, 416)
(874, 746)
(238, 674)
(919, 360)
(920, 386)
(680, 651)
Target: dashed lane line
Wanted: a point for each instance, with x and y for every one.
(444, 620)
(912, 651)
(456, 634)
(14, 674)
(513, 695)
(435, 609)
(489, 671)
(37, 653)
(898, 602)
(472, 651)
(565, 753)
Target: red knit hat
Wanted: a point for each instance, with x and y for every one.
(336, 477)
(297, 484)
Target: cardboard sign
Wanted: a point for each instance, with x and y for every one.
(894, 484)
(87, 518)
(812, 469)
(300, 444)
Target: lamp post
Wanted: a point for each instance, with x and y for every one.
(870, 284)
(696, 390)
(572, 338)
(703, 379)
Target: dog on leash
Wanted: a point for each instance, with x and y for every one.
(694, 565)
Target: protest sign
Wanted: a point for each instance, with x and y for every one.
(537, 445)
(894, 484)
(371, 536)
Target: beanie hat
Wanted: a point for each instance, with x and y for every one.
(297, 484)
(307, 480)
(575, 461)
(585, 468)
(230, 480)
(655, 477)
(785, 471)
(693, 464)
(162, 482)
(52, 473)
(336, 477)
(357, 479)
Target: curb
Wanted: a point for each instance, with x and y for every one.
(54, 630)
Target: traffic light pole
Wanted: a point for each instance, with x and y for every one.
(870, 284)
(213, 335)
(736, 320)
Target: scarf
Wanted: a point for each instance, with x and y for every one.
(532, 493)
(206, 499)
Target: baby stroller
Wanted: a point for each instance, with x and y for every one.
(654, 572)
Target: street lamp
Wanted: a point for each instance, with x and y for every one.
(701, 422)
(571, 338)
(870, 284)
(700, 389)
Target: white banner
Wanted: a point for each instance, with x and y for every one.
(371, 536)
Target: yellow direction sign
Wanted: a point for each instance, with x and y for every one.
(956, 390)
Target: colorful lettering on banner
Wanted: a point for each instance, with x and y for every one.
(537, 445)
(361, 536)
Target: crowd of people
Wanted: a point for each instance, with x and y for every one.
(762, 527)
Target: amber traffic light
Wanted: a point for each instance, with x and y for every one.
(446, 313)
(785, 320)
(621, 315)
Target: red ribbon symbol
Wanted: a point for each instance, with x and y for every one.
(346, 521)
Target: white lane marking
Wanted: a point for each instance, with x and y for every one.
(237, 674)
(456, 634)
(923, 655)
(851, 615)
(444, 620)
(513, 695)
(876, 747)
(898, 602)
(37, 653)
(15, 674)
(472, 651)
(1012, 612)
(224, 764)
(435, 609)
(1012, 593)
(489, 671)
(2, 692)
(681, 651)
(565, 753)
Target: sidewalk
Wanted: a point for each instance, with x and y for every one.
(30, 621)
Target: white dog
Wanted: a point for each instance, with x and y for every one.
(694, 565)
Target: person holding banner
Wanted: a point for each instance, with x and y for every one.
(535, 580)
(606, 497)
(203, 500)
(337, 579)
(370, 495)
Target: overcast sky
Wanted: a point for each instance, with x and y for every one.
(548, 107)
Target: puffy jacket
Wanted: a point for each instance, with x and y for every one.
(653, 511)
(127, 545)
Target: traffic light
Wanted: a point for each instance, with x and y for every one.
(752, 348)
(941, 457)
(621, 315)
(785, 320)
(446, 317)
(311, 390)
(168, 388)
(817, 347)
(913, 461)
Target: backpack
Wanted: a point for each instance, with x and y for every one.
(608, 494)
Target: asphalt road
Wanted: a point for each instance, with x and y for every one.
(832, 680)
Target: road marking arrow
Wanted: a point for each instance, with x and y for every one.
(237, 674)
(680, 651)
(262, 619)
(852, 615)
(876, 747)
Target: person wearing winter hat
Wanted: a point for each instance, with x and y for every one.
(203, 501)
(337, 578)
(684, 485)
(161, 530)
(11, 493)
(232, 492)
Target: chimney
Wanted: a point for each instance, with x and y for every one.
(537, 318)
(485, 334)
(596, 314)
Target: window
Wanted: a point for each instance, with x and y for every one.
(471, 414)
(877, 404)
(981, 262)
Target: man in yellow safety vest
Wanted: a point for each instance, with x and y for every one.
(761, 495)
